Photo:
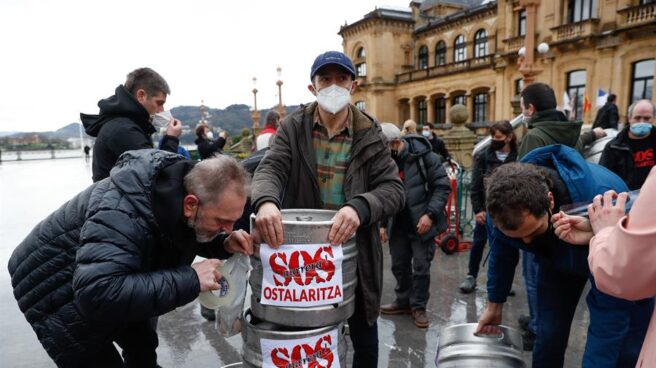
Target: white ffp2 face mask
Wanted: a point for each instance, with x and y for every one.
(162, 119)
(334, 98)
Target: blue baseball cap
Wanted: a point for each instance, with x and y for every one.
(334, 58)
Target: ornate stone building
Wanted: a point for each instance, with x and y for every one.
(418, 62)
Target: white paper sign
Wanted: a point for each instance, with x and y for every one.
(302, 275)
(319, 351)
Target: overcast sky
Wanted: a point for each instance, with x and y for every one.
(60, 57)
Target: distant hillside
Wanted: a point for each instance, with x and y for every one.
(233, 118)
(71, 130)
(5, 134)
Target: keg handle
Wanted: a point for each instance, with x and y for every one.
(499, 337)
(304, 218)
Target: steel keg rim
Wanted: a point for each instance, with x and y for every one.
(509, 336)
(292, 211)
(318, 330)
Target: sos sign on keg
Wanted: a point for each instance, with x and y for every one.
(313, 352)
(302, 275)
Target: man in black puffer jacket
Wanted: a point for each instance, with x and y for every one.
(124, 120)
(413, 231)
(119, 253)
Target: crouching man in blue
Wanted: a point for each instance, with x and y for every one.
(97, 270)
(520, 199)
(413, 231)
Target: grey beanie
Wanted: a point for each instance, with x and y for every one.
(391, 131)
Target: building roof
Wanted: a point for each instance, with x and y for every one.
(483, 5)
(427, 4)
(382, 13)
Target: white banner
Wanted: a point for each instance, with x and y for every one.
(312, 352)
(302, 275)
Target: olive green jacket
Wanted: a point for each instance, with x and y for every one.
(287, 177)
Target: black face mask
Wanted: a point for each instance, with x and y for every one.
(394, 153)
(497, 145)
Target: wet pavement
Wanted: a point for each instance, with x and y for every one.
(29, 191)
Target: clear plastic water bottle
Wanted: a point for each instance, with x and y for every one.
(225, 293)
(581, 208)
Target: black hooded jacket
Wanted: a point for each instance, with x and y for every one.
(484, 163)
(618, 158)
(427, 189)
(117, 253)
(122, 125)
(207, 148)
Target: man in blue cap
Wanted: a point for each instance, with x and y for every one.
(330, 155)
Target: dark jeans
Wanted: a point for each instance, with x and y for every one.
(476, 252)
(411, 260)
(138, 342)
(616, 331)
(363, 337)
(530, 271)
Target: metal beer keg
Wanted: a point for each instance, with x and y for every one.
(255, 331)
(458, 347)
(307, 227)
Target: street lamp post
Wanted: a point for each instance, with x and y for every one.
(281, 108)
(256, 114)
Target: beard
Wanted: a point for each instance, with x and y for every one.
(202, 236)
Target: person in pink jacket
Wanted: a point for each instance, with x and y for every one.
(622, 254)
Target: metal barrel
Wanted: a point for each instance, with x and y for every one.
(307, 227)
(458, 347)
(254, 330)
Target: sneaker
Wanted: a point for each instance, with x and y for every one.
(528, 340)
(420, 317)
(394, 308)
(207, 313)
(468, 285)
(523, 321)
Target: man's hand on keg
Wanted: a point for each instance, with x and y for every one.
(345, 224)
(269, 224)
(489, 322)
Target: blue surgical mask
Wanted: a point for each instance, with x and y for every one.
(641, 129)
(426, 133)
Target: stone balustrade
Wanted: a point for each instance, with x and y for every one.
(637, 15)
(573, 31)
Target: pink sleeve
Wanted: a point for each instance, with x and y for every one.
(623, 258)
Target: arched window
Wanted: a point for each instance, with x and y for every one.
(423, 58)
(360, 64)
(361, 69)
(422, 111)
(459, 100)
(519, 86)
(480, 107)
(480, 43)
(360, 105)
(459, 49)
(440, 110)
(580, 10)
(521, 23)
(440, 53)
(576, 91)
(642, 79)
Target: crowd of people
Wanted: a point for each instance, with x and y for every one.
(100, 270)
